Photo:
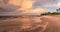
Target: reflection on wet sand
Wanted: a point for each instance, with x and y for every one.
(22, 24)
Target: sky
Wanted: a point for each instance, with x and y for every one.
(28, 7)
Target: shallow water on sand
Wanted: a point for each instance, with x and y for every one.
(21, 24)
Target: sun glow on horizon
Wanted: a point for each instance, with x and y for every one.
(58, 4)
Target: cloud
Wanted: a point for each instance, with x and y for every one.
(34, 11)
(14, 6)
(37, 10)
(48, 5)
(18, 7)
(27, 4)
(44, 2)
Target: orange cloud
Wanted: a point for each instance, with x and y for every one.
(27, 4)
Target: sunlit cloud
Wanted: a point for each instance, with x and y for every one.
(34, 11)
(37, 10)
(27, 4)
